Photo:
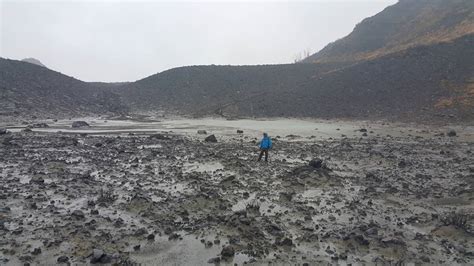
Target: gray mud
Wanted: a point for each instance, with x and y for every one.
(107, 196)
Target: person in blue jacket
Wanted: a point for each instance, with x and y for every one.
(265, 146)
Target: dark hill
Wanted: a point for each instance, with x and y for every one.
(207, 89)
(419, 83)
(27, 88)
(407, 24)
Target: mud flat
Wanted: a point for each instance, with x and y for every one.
(157, 193)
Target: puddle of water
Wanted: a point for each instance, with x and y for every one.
(296, 129)
(208, 167)
(266, 207)
(188, 251)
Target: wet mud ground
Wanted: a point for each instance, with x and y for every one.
(173, 199)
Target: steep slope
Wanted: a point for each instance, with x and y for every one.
(29, 89)
(422, 83)
(407, 24)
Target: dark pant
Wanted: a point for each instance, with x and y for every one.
(261, 154)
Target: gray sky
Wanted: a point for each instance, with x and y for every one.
(129, 40)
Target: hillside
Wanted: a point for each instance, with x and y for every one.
(29, 89)
(206, 90)
(407, 24)
(422, 83)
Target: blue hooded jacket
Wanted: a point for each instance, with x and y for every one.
(266, 143)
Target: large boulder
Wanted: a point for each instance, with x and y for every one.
(211, 138)
(79, 124)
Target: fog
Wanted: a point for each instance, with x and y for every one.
(126, 41)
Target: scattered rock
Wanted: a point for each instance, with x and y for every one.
(452, 133)
(99, 256)
(285, 242)
(159, 136)
(62, 259)
(240, 131)
(78, 214)
(210, 138)
(425, 259)
(402, 164)
(39, 125)
(37, 180)
(3, 131)
(36, 251)
(316, 163)
(79, 124)
(141, 231)
(228, 251)
(202, 132)
(215, 260)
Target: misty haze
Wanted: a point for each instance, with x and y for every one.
(231, 133)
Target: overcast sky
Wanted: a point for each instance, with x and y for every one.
(129, 40)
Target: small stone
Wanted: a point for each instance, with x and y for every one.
(63, 259)
(141, 231)
(425, 259)
(402, 164)
(202, 132)
(452, 133)
(211, 138)
(286, 242)
(39, 125)
(36, 251)
(215, 260)
(316, 163)
(37, 180)
(78, 214)
(78, 124)
(96, 256)
(227, 252)
(151, 237)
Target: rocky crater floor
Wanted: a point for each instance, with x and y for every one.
(168, 198)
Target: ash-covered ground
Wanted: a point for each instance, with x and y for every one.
(171, 198)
